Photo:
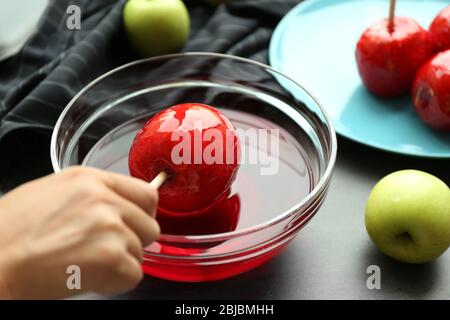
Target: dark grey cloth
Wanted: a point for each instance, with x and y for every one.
(37, 83)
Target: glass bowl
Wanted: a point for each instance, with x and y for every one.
(98, 125)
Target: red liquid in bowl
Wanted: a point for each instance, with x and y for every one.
(254, 201)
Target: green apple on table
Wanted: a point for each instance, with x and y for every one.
(156, 27)
(408, 216)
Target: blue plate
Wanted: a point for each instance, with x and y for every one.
(315, 45)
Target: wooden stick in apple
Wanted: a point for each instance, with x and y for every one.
(159, 180)
(391, 15)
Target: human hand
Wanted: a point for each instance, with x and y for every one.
(97, 220)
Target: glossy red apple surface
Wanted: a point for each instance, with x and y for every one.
(440, 31)
(196, 146)
(388, 58)
(431, 92)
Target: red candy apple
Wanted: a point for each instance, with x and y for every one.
(440, 31)
(196, 146)
(388, 56)
(431, 92)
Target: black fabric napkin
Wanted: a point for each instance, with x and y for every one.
(55, 63)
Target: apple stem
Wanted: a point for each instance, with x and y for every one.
(391, 16)
(159, 180)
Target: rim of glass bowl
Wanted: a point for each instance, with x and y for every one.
(231, 234)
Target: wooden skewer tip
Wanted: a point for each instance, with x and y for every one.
(392, 14)
(159, 180)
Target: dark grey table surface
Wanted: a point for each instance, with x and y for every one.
(330, 256)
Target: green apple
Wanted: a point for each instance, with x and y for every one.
(408, 216)
(156, 27)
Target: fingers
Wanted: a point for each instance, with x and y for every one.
(125, 271)
(134, 190)
(127, 274)
(145, 227)
(135, 200)
(137, 191)
(130, 271)
(133, 244)
(114, 270)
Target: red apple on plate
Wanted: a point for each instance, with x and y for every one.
(431, 92)
(389, 55)
(440, 31)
